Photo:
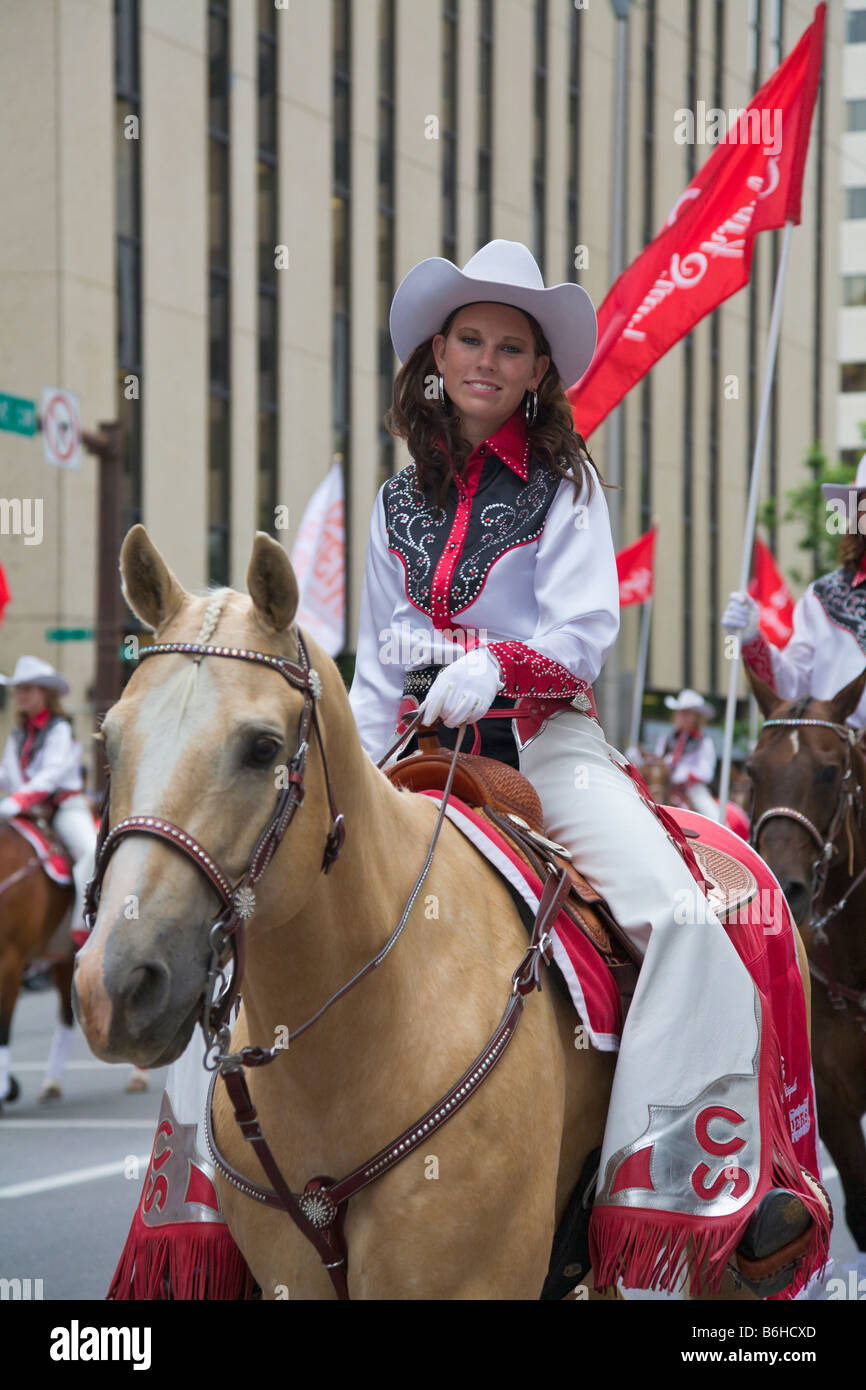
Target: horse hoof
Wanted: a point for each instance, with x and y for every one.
(14, 1091)
(50, 1091)
(137, 1082)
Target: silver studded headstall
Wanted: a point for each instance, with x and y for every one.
(237, 899)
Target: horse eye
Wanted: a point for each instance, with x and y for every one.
(827, 774)
(262, 751)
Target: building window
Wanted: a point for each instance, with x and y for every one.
(856, 30)
(267, 178)
(385, 260)
(854, 291)
(573, 146)
(539, 162)
(856, 114)
(855, 203)
(219, 318)
(127, 172)
(484, 195)
(853, 376)
(448, 129)
(341, 287)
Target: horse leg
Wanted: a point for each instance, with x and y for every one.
(841, 1131)
(61, 974)
(10, 982)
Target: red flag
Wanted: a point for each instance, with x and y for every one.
(634, 566)
(753, 181)
(5, 595)
(773, 597)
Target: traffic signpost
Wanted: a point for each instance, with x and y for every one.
(17, 415)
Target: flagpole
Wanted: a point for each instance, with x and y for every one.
(640, 674)
(752, 509)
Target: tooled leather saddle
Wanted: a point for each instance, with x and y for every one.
(508, 800)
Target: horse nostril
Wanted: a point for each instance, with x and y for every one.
(797, 897)
(146, 996)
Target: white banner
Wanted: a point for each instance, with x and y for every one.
(319, 560)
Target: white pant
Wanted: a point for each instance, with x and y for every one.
(74, 824)
(692, 1018)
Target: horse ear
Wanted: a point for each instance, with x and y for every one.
(767, 698)
(271, 582)
(149, 587)
(845, 701)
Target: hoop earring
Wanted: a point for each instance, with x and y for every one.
(531, 407)
(441, 390)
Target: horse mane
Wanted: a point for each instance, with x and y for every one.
(210, 619)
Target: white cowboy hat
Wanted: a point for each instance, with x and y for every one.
(691, 700)
(29, 670)
(843, 490)
(502, 272)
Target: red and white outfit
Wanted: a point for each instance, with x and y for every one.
(828, 646)
(41, 768)
(533, 577)
(691, 756)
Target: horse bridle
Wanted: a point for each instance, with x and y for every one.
(227, 929)
(850, 800)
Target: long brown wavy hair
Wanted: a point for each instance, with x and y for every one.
(427, 425)
(852, 548)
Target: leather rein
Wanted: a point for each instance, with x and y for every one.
(849, 810)
(319, 1211)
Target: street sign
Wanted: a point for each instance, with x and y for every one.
(61, 427)
(69, 634)
(17, 415)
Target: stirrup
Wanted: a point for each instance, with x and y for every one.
(777, 1239)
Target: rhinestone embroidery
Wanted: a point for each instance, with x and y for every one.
(843, 604)
(509, 513)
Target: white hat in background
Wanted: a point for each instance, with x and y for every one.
(691, 700)
(29, 670)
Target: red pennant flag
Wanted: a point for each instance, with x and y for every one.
(773, 597)
(753, 181)
(634, 566)
(5, 595)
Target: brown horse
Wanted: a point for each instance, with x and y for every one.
(32, 907)
(808, 775)
(32, 910)
(473, 1214)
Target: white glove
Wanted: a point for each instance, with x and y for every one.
(463, 690)
(741, 615)
(9, 807)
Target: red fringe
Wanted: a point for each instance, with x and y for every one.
(653, 1249)
(186, 1260)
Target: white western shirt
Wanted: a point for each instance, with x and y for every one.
(510, 563)
(828, 646)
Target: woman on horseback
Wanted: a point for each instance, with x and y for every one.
(41, 768)
(490, 597)
(828, 646)
(689, 752)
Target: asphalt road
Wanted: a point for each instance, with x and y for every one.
(69, 1179)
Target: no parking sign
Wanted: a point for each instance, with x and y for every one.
(61, 427)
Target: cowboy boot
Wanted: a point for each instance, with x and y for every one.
(776, 1239)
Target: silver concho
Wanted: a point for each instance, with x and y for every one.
(314, 680)
(244, 900)
(318, 1208)
(581, 701)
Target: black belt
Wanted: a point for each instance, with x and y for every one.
(419, 681)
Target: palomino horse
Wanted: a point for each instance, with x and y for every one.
(472, 1214)
(808, 774)
(32, 908)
